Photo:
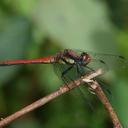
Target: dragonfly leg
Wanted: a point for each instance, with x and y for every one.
(78, 70)
(66, 71)
(63, 75)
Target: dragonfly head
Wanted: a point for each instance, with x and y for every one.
(85, 58)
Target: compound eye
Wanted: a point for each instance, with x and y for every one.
(84, 56)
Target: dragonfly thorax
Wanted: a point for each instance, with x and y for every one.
(67, 60)
(70, 57)
(82, 59)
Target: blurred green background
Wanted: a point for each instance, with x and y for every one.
(38, 28)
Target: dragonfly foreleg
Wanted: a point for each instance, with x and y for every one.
(63, 75)
(66, 71)
(79, 70)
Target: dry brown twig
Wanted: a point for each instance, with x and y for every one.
(88, 78)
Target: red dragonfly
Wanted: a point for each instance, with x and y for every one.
(75, 62)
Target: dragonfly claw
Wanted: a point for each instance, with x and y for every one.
(91, 91)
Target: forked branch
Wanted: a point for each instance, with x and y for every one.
(85, 79)
(102, 97)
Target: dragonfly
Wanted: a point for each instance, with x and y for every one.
(70, 64)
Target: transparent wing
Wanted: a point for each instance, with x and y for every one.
(105, 61)
(108, 61)
(71, 75)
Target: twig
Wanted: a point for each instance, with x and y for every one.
(87, 78)
(44, 100)
(99, 92)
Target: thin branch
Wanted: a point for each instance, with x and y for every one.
(44, 100)
(102, 97)
(87, 78)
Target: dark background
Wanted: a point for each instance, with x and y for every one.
(38, 28)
